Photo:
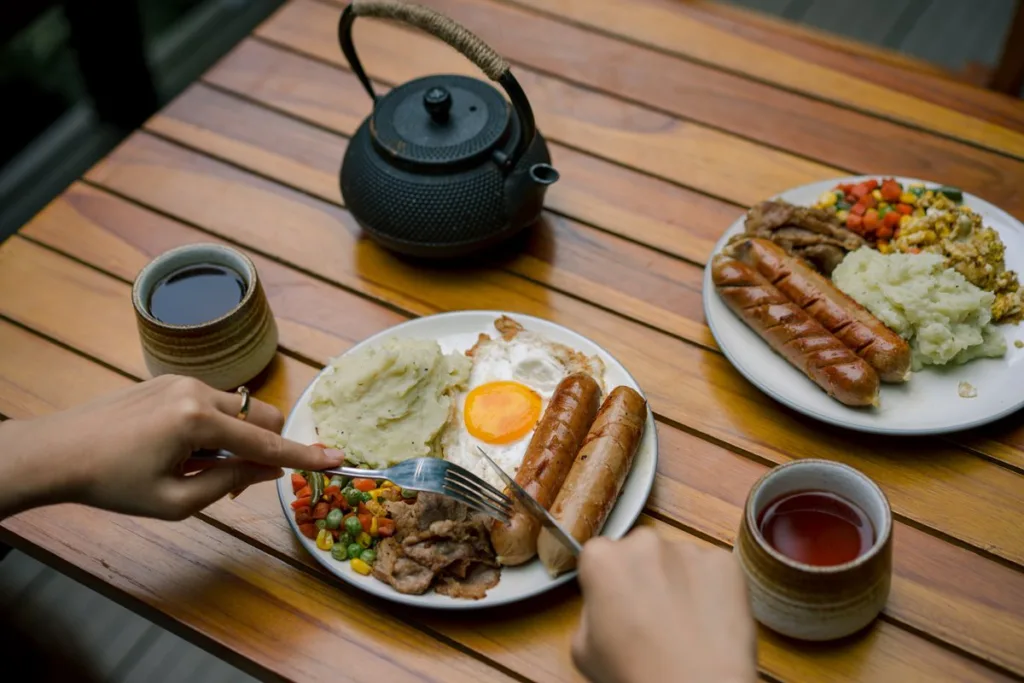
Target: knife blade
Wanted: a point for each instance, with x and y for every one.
(535, 508)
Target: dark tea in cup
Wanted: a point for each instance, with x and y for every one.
(818, 528)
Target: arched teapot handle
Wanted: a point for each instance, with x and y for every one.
(477, 51)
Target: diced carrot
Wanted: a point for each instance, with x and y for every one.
(321, 510)
(362, 509)
(364, 485)
(891, 220)
(853, 221)
(891, 190)
(331, 490)
(905, 209)
(857, 210)
(385, 526)
(871, 221)
(872, 184)
(884, 232)
(298, 481)
(869, 201)
(300, 502)
(304, 492)
(303, 515)
(859, 190)
(366, 521)
(308, 530)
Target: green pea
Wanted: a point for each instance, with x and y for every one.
(343, 542)
(365, 496)
(321, 524)
(368, 556)
(334, 518)
(353, 527)
(354, 550)
(339, 552)
(406, 493)
(353, 496)
(339, 481)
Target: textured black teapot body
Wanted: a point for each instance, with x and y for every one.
(444, 166)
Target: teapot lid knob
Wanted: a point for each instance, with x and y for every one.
(438, 102)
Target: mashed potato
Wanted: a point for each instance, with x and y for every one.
(944, 317)
(390, 402)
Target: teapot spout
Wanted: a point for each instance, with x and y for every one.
(543, 174)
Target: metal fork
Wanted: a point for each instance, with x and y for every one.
(434, 475)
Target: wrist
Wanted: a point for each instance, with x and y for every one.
(30, 474)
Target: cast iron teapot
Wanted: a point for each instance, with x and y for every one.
(443, 166)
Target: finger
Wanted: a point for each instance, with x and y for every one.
(248, 441)
(187, 495)
(579, 642)
(260, 414)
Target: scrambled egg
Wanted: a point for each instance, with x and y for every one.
(970, 248)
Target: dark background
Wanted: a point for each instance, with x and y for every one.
(76, 76)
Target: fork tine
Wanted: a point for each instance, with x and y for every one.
(479, 486)
(504, 508)
(477, 504)
(479, 481)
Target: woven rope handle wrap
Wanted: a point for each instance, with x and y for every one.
(476, 50)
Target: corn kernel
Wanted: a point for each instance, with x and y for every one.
(387, 485)
(904, 220)
(364, 539)
(373, 527)
(842, 215)
(325, 539)
(918, 213)
(877, 194)
(908, 198)
(359, 566)
(827, 199)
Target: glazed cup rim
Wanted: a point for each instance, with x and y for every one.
(139, 296)
(882, 535)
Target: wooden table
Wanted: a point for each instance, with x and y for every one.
(664, 124)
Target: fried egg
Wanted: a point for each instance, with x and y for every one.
(510, 385)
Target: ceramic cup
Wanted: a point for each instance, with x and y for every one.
(804, 601)
(225, 352)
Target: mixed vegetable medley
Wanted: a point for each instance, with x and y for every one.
(346, 517)
(877, 210)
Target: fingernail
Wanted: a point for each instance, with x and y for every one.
(334, 455)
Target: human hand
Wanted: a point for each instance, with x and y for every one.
(130, 451)
(652, 606)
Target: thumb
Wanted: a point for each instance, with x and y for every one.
(189, 495)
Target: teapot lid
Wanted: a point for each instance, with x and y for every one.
(440, 120)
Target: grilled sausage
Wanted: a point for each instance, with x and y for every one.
(596, 478)
(851, 323)
(549, 456)
(794, 334)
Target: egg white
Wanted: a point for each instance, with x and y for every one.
(526, 358)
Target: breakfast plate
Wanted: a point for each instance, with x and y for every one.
(458, 332)
(931, 402)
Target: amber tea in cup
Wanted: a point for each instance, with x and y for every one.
(202, 312)
(818, 528)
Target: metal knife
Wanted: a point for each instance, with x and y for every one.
(535, 508)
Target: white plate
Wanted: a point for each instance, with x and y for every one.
(929, 403)
(458, 332)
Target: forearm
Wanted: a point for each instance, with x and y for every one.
(29, 475)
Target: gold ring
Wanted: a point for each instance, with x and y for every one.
(243, 410)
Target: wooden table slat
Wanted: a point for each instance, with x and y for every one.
(665, 121)
(687, 384)
(700, 485)
(717, 163)
(649, 287)
(531, 638)
(838, 137)
(659, 23)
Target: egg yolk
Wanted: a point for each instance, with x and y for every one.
(501, 412)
